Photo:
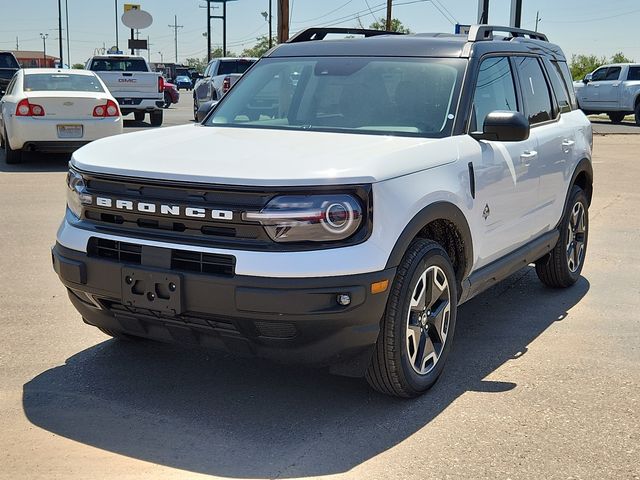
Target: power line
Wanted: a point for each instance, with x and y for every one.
(326, 14)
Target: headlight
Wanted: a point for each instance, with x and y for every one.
(309, 218)
(76, 196)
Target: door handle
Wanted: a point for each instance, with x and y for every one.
(527, 156)
(568, 143)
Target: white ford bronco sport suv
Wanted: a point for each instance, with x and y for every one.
(339, 203)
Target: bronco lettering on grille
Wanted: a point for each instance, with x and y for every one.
(163, 209)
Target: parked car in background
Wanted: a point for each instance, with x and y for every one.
(171, 94)
(184, 81)
(137, 89)
(611, 89)
(47, 109)
(8, 67)
(218, 78)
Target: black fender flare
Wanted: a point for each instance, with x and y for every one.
(435, 211)
(584, 166)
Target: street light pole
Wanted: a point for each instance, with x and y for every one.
(208, 31)
(66, 12)
(44, 36)
(270, 27)
(161, 57)
(60, 32)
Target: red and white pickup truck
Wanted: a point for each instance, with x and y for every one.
(136, 88)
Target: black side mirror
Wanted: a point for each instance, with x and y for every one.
(587, 78)
(504, 126)
(205, 108)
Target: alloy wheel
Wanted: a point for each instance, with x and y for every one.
(576, 237)
(428, 320)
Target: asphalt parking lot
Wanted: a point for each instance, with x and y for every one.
(541, 383)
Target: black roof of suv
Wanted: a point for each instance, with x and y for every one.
(481, 40)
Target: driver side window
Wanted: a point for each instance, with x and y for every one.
(599, 75)
(494, 90)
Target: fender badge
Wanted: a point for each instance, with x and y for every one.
(486, 211)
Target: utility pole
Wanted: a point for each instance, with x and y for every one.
(148, 50)
(175, 27)
(116, 11)
(208, 31)
(161, 57)
(66, 12)
(283, 21)
(60, 32)
(483, 11)
(270, 26)
(17, 44)
(388, 25)
(516, 13)
(44, 36)
(537, 19)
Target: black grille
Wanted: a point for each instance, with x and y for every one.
(115, 250)
(202, 262)
(181, 260)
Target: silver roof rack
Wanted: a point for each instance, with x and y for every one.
(478, 33)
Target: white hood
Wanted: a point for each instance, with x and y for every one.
(261, 157)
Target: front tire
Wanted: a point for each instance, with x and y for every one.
(418, 325)
(637, 113)
(616, 117)
(11, 156)
(561, 268)
(195, 109)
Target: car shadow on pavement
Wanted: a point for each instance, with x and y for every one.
(217, 414)
(37, 162)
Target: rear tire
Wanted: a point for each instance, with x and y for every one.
(156, 118)
(616, 117)
(195, 109)
(139, 116)
(10, 156)
(561, 267)
(418, 325)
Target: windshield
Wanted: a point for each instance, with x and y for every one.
(51, 82)
(398, 96)
(118, 65)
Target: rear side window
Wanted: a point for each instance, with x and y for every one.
(535, 90)
(118, 65)
(559, 88)
(234, 66)
(634, 73)
(52, 82)
(565, 74)
(494, 90)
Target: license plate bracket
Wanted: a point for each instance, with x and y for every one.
(152, 290)
(70, 131)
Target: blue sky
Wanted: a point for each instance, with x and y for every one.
(578, 26)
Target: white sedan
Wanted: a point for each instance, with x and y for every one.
(47, 109)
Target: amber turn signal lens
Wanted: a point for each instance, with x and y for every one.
(379, 287)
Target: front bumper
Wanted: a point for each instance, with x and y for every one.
(284, 319)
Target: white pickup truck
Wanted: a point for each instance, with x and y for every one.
(611, 89)
(136, 88)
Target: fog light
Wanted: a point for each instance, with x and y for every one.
(343, 299)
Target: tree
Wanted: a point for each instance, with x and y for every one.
(78, 66)
(217, 53)
(259, 48)
(396, 26)
(198, 64)
(580, 65)
(621, 58)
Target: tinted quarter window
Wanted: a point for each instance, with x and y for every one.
(535, 90)
(565, 74)
(494, 90)
(599, 75)
(118, 65)
(613, 73)
(559, 87)
(234, 66)
(634, 73)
